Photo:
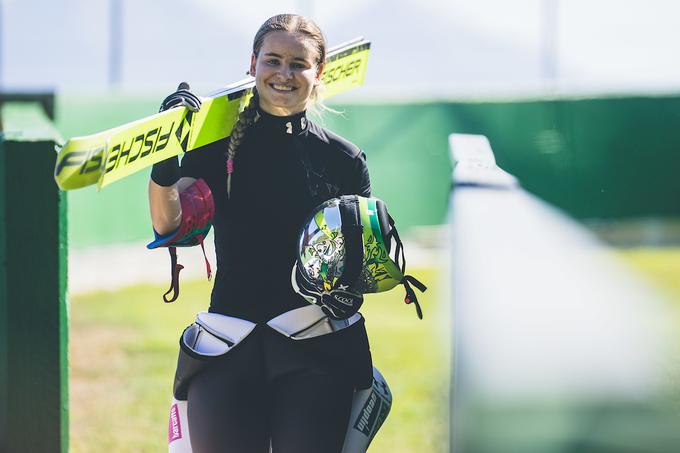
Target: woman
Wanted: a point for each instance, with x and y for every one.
(265, 178)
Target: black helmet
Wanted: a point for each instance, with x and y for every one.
(344, 252)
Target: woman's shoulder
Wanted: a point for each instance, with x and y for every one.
(208, 152)
(204, 160)
(217, 147)
(333, 141)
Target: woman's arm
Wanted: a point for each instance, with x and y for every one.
(166, 184)
(361, 181)
(166, 212)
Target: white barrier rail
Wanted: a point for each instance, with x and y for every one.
(558, 347)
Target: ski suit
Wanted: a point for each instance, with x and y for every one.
(272, 391)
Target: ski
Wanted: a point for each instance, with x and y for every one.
(113, 154)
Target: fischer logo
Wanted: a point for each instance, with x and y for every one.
(343, 71)
(139, 147)
(174, 427)
(131, 149)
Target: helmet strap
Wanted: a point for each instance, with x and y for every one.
(407, 281)
(352, 232)
(400, 260)
(399, 249)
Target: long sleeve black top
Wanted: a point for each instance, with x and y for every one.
(284, 167)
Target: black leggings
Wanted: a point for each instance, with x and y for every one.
(236, 406)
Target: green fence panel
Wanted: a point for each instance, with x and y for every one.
(595, 158)
(606, 158)
(407, 156)
(119, 213)
(33, 310)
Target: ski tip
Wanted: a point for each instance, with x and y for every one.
(350, 43)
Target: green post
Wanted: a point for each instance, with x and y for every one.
(33, 309)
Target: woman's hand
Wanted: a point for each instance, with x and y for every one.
(166, 184)
(182, 97)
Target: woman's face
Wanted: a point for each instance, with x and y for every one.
(285, 72)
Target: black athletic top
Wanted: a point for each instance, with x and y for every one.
(283, 169)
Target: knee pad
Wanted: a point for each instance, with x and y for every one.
(370, 408)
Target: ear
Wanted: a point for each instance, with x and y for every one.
(253, 63)
(319, 71)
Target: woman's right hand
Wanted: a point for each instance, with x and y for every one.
(166, 184)
(182, 97)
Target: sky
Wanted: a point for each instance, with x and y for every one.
(424, 49)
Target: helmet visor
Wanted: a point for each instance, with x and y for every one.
(322, 246)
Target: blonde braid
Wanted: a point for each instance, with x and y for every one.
(246, 119)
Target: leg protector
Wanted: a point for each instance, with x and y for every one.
(370, 408)
(211, 336)
(178, 428)
(309, 322)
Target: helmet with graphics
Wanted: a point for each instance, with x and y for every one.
(349, 247)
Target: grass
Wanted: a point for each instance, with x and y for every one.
(124, 347)
(661, 266)
(123, 351)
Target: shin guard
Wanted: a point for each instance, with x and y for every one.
(370, 408)
(178, 428)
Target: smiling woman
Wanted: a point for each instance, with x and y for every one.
(287, 70)
(289, 384)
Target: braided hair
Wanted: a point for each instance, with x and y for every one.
(292, 23)
(246, 118)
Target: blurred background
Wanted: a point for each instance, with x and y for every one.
(580, 101)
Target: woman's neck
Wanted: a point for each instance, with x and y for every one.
(294, 124)
(280, 111)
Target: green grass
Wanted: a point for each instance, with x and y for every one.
(661, 266)
(123, 348)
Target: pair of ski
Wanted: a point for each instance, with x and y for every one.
(111, 155)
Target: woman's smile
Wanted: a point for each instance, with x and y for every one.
(285, 72)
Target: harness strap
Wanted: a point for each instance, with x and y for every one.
(208, 270)
(175, 269)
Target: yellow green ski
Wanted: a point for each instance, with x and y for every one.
(116, 153)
